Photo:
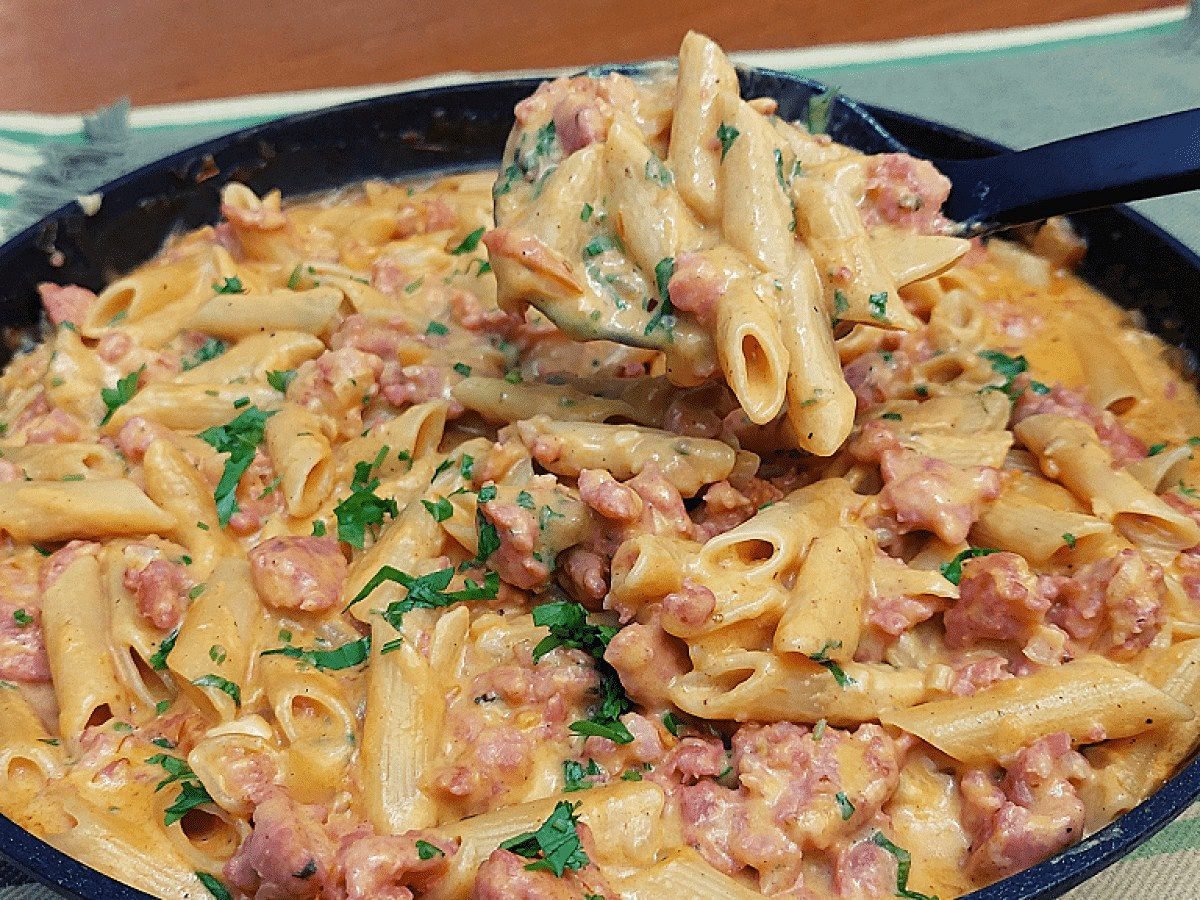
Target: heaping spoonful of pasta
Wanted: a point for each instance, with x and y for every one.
(667, 212)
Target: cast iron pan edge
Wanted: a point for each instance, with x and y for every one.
(454, 128)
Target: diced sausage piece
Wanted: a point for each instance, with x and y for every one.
(424, 216)
(160, 591)
(974, 675)
(647, 658)
(305, 573)
(22, 643)
(10, 471)
(999, 599)
(875, 377)
(66, 302)
(1032, 815)
(136, 436)
(288, 855)
(409, 385)
(896, 615)
(691, 605)
(584, 574)
(1114, 605)
(607, 496)
(1063, 401)
(693, 759)
(864, 871)
(905, 192)
(56, 427)
(697, 285)
(516, 560)
(391, 867)
(663, 509)
(504, 876)
(932, 495)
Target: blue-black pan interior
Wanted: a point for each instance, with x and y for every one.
(444, 129)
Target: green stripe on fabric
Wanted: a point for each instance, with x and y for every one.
(39, 138)
(233, 124)
(1176, 837)
(1000, 52)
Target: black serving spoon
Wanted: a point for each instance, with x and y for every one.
(1150, 158)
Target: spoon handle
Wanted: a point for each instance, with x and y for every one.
(1149, 158)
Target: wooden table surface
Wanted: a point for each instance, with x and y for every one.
(66, 55)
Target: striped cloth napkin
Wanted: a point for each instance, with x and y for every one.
(1019, 86)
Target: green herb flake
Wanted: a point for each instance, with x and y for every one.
(196, 590)
(555, 845)
(631, 775)
(217, 654)
(436, 327)
(726, 135)
(231, 285)
(820, 107)
(209, 350)
(214, 886)
(513, 376)
(1007, 367)
(426, 591)
(1069, 539)
(308, 870)
(586, 212)
(892, 416)
(845, 807)
(318, 528)
(116, 397)
(462, 369)
(903, 867)
(281, 379)
(664, 316)
(952, 571)
(576, 775)
(348, 655)
(240, 439)
(191, 792)
(427, 851)
(159, 708)
(158, 660)
(441, 509)
(22, 618)
(525, 500)
(600, 245)
(1156, 449)
(821, 657)
(657, 171)
(469, 243)
(363, 510)
(1039, 388)
(671, 723)
(224, 685)
(878, 304)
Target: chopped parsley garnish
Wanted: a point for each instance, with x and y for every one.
(1156, 449)
(892, 416)
(601, 244)
(878, 304)
(569, 627)
(224, 685)
(191, 792)
(1038, 388)
(1007, 367)
(270, 487)
(22, 618)
(469, 243)
(903, 867)
(513, 376)
(426, 850)
(214, 886)
(210, 349)
(952, 571)
(545, 515)
(820, 106)
(555, 845)
(281, 379)
(318, 528)
(576, 775)
(1187, 491)
(488, 539)
(821, 657)
(353, 653)
(363, 509)
(631, 775)
(436, 327)
(1069, 539)
(462, 369)
(217, 654)
(586, 212)
(818, 731)
(657, 171)
(487, 493)
(671, 723)
(525, 500)
(116, 397)
(840, 304)
(844, 805)
(413, 286)
(441, 509)
(231, 285)
(466, 466)
(426, 591)
(158, 660)
(308, 871)
(163, 742)
(240, 439)
(664, 315)
(727, 134)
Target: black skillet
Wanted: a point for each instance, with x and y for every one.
(455, 128)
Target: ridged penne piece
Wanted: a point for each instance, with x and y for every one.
(498, 400)
(824, 612)
(254, 356)
(191, 407)
(68, 510)
(684, 873)
(176, 485)
(242, 315)
(75, 618)
(1070, 452)
(54, 462)
(1078, 697)
(625, 450)
(298, 444)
